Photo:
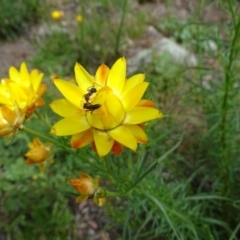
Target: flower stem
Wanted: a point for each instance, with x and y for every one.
(43, 136)
(120, 27)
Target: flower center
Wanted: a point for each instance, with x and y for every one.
(108, 110)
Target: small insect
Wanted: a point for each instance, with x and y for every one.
(91, 107)
(91, 91)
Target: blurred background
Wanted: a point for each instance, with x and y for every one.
(189, 53)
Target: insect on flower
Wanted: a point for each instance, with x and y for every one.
(91, 107)
(91, 91)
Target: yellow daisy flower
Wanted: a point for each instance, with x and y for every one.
(105, 110)
(10, 121)
(39, 153)
(86, 186)
(23, 88)
(79, 18)
(57, 15)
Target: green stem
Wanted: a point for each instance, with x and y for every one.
(228, 84)
(42, 119)
(118, 36)
(154, 165)
(43, 136)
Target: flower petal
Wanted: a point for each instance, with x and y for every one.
(133, 96)
(70, 91)
(24, 75)
(70, 125)
(145, 103)
(103, 142)
(138, 133)
(101, 75)
(132, 82)
(117, 76)
(82, 139)
(141, 114)
(117, 148)
(14, 75)
(64, 108)
(83, 78)
(124, 136)
(36, 79)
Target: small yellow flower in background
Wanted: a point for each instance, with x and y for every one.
(35, 177)
(86, 186)
(105, 110)
(22, 88)
(56, 15)
(79, 18)
(39, 153)
(10, 121)
(101, 201)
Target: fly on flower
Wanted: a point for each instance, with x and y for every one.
(119, 111)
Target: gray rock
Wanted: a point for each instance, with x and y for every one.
(177, 53)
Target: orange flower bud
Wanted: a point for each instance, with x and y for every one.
(86, 186)
(38, 154)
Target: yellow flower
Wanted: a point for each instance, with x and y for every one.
(39, 153)
(105, 110)
(10, 120)
(56, 15)
(101, 201)
(23, 88)
(86, 186)
(79, 18)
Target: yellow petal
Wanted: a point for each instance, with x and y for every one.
(132, 82)
(138, 133)
(64, 108)
(83, 78)
(14, 75)
(24, 74)
(133, 96)
(94, 120)
(36, 79)
(82, 139)
(4, 95)
(70, 125)
(124, 136)
(101, 75)
(70, 91)
(117, 76)
(103, 142)
(141, 114)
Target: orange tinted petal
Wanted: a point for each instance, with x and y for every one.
(138, 133)
(145, 103)
(101, 75)
(117, 148)
(82, 139)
